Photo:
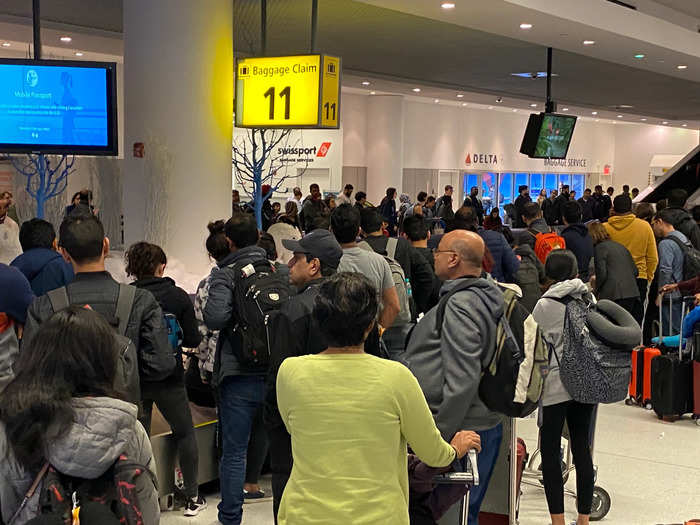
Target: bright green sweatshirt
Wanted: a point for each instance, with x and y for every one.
(350, 416)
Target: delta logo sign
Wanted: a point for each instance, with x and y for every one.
(481, 158)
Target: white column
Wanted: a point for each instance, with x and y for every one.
(384, 145)
(178, 85)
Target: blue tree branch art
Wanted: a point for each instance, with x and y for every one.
(45, 180)
(259, 159)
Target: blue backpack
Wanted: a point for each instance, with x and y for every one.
(175, 334)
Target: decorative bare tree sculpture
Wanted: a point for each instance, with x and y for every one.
(260, 158)
(44, 181)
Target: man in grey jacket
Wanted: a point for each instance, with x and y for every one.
(448, 361)
(241, 390)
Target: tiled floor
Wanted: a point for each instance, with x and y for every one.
(651, 470)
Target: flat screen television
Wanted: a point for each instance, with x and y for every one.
(548, 136)
(58, 106)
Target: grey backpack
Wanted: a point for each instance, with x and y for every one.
(402, 285)
(126, 382)
(591, 368)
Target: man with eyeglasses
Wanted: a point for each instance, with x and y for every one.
(448, 357)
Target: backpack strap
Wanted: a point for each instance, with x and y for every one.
(464, 284)
(125, 302)
(684, 247)
(59, 299)
(32, 490)
(391, 245)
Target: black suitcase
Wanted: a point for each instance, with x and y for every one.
(671, 380)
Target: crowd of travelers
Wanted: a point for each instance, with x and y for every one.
(353, 363)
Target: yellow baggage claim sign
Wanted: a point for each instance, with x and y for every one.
(288, 92)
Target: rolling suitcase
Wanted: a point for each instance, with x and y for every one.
(671, 382)
(640, 380)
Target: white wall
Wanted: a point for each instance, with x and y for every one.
(636, 145)
(438, 136)
(353, 121)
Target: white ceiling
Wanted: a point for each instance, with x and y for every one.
(689, 7)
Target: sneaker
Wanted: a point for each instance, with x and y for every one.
(195, 506)
(253, 496)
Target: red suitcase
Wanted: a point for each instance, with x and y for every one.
(640, 380)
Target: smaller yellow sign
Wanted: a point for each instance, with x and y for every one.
(288, 92)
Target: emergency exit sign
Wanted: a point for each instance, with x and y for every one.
(288, 92)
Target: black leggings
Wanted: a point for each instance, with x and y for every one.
(578, 417)
(171, 400)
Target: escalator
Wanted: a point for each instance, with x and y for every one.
(685, 174)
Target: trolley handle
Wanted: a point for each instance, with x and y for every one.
(469, 477)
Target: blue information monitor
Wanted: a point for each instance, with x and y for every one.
(51, 106)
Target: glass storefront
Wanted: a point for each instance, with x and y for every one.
(499, 189)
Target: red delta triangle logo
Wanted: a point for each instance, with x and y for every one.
(323, 150)
(468, 160)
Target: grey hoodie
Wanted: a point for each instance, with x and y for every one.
(549, 315)
(103, 429)
(449, 368)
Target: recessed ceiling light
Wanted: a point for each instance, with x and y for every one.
(639, 56)
(460, 95)
(533, 105)
(372, 92)
(588, 42)
(464, 104)
(597, 120)
(594, 112)
(66, 39)
(644, 120)
(619, 116)
(490, 107)
(447, 5)
(436, 100)
(565, 109)
(78, 54)
(416, 90)
(525, 26)
(665, 122)
(6, 44)
(685, 125)
(515, 111)
(365, 83)
(682, 66)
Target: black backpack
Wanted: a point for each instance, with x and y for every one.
(110, 499)
(691, 258)
(512, 381)
(127, 380)
(258, 290)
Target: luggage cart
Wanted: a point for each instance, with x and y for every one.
(469, 477)
(532, 475)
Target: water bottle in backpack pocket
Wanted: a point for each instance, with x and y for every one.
(175, 333)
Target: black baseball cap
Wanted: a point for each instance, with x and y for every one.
(320, 244)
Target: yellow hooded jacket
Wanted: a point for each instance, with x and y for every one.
(637, 236)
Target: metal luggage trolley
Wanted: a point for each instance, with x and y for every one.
(469, 477)
(532, 474)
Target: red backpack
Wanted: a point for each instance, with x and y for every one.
(546, 242)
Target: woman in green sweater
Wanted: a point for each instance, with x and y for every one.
(350, 416)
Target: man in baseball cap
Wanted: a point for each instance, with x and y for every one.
(316, 255)
(295, 332)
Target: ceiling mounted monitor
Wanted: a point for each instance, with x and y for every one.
(548, 136)
(58, 106)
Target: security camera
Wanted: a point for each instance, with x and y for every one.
(499, 99)
(533, 74)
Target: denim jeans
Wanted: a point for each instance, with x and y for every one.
(674, 307)
(490, 445)
(240, 399)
